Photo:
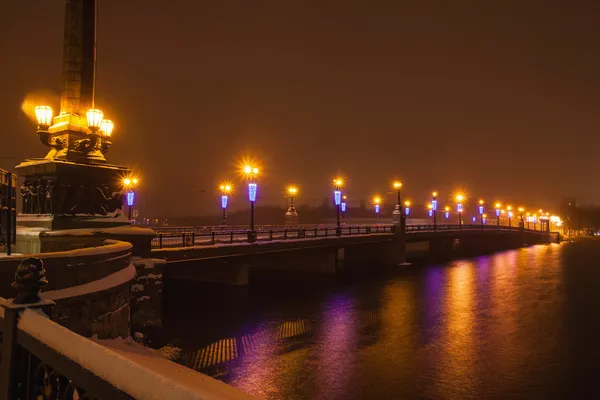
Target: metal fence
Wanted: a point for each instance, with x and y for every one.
(199, 237)
(207, 236)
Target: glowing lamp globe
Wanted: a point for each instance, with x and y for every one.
(397, 185)
(127, 182)
(94, 119)
(106, 127)
(43, 115)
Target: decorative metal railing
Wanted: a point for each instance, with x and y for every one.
(204, 236)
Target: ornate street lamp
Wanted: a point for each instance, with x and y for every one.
(43, 115)
(226, 189)
(377, 203)
(459, 208)
(509, 215)
(498, 210)
(447, 212)
(521, 221)
(481, 202)
(129, 184)
(251, 172)
(406, 207)
(434, 205)
(344, 206)
(398, 214)
(291, 214)
(337, 198)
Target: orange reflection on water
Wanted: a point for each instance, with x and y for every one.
(458, 339)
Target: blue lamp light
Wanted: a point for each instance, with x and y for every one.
(252, 188)
(130, 198)
(337, 197)
(224, 201)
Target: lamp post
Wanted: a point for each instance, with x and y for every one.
(483, 218)
(521, 222)
(447, 212)
(534, 219)
(481, 202)
(377, 204)
(251, 172)
(430, 210)
(528, 218)
(225, 191)
(343, 206)
(459, 208)
(406, 207)
(337, 198)
(509, 215)
(291, 215)
(129, 184)
(398, 214)
(434, 205)
(498, 205)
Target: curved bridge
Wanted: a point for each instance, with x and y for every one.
(227, 257)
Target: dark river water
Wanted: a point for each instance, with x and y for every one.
(519, 324)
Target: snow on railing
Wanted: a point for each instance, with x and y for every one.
(126, 375)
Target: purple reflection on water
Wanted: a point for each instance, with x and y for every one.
(434, 285)
(338, 343)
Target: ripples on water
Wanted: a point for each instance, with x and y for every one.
(518, 324)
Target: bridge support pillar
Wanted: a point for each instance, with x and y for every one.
(396, 254)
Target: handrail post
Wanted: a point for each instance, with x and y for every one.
(213, 237)
(193, 239)
(231, 236)
(29, 280)
(315, 232)
(326, 231)
(160, 237)
(270, 234)
(285, 234)
(184, 244)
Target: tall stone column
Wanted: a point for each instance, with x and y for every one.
(79, 57)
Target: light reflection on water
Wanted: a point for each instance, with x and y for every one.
(501, 326)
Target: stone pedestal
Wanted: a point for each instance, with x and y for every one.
(397, 214)
(59, 195)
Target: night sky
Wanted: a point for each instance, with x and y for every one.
(499, 98)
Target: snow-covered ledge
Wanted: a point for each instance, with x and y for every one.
(91, 287)
(142, 375)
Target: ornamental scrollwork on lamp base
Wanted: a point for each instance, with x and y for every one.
(105, 146)
(56, 143)
(86, 145)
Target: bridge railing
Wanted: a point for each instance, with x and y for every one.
(33, 364)
(204, 237)
(195, 238)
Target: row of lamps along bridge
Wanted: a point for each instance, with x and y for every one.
(402, 209)
(104, 127)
